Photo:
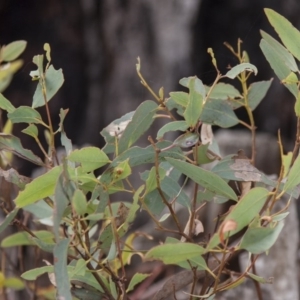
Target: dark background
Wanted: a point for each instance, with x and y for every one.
(96, 43)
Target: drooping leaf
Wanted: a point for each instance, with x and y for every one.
(243, 212)
(277, 64)
(60, 269)
(236, 70)
(261, 239)
(6, 104)
(33, 274)
(136, 279)
(170, 254)
(25, 114)
(13, 50)
(39, 188)
(284, 54)
(204, 178)
(172, 126)
(90, 158)
(194, 108)
(54, 79)
(140, 123)
(9, 218)
(79, 202)
(293, 178)
(23, 238)
(289, 35)
(257, 91)
(12, 144)
(64, 192)
(218, 112)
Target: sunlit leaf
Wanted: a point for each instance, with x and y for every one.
(136, 279)
(13, 50)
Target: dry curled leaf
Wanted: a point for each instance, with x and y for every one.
(226, 226)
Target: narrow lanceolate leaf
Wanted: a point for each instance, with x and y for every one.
(293, 178)
(172, 126)
(13, 50)
(259, 240)
(277, 64)
(288, 34)
(243, 212)
(54, 79)
(13, 144)
(140, 123)
(257, 92)
(41, 187)
(90, 158)
(60, 270)
(180, 98)
(31, 130)
(25, 114)
(9, 218)
(6, 104)
(284, 54)
(205, 178)
(297, 105)
(235, 71)
(174, 253)
(194, 107)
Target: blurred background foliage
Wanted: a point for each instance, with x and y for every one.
(96, 43)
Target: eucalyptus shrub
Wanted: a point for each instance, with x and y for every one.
(89, 235)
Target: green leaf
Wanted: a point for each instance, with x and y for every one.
(172, 126)
(24, 238)
(199, 87)
(174, 254)
(9, 69)
(79, 202)
(35, 273)
(257, 91)
(141, 121)
(11, 175)
(204, 178)
(218, 112)
(236, 70)
(282, 52)
(8, 219)
(87, 294)
(41, 187)
(261, 239)
(243, 212)
(202, 155)
(6, 104)
(31, 130)
(114, 130)
(223, 91)
(14, 283)
(13, 50)
(12, 144)
(187, 140)
(181, 98)
(293, 178)
(136, 279)
(60, 270)
(151, 182)
(288, 34)
(54, 79)
(25, 114)
(194, 107)
(297, 105)
(277, 64)
(90, 158)
(64, 191)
